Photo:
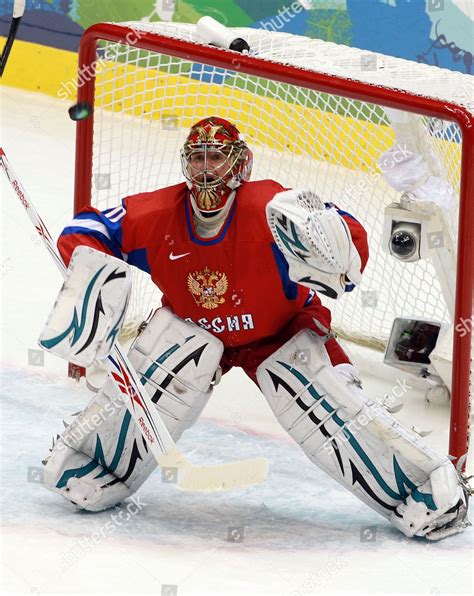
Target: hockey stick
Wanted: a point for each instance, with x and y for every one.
(143, 410)
(18, 11)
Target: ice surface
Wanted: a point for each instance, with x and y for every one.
(297, 534)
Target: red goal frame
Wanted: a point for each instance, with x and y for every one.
(348, 88)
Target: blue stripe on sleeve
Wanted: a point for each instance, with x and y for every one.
(114, 228)
(341, 212)
(138, 257)
(114, 249)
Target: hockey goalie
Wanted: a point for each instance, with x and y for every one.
(242, 278)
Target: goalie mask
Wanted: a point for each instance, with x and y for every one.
(215, 161)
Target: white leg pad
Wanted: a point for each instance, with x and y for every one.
(341, 430)
(101, 458)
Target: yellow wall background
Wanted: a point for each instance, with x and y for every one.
(36, 67)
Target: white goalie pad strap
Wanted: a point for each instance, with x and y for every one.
(342, 431)
(90, 308)
(315, 240)
(101, 458)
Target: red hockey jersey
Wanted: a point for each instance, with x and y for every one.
(235, 284)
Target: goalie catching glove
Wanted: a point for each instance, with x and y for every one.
(90, 308)
(315, 241)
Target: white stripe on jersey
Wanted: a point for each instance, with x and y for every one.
(115, 214)
(91, 224)
(111, 210)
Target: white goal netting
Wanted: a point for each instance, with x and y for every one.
(145, 102)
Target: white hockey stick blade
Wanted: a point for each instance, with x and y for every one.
(229, 476)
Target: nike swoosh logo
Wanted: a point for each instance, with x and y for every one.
(175, 257)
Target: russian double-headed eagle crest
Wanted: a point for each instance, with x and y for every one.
(208, 287)
(209, 136)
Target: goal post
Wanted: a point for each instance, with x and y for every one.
(314, 114)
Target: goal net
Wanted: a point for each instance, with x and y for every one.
(315, 115)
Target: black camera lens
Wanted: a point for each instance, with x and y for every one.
(403, 244)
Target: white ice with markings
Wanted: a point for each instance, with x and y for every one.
(297, 534)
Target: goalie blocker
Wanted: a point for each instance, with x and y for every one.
(90, 308)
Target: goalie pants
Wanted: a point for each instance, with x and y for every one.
(315, 317)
